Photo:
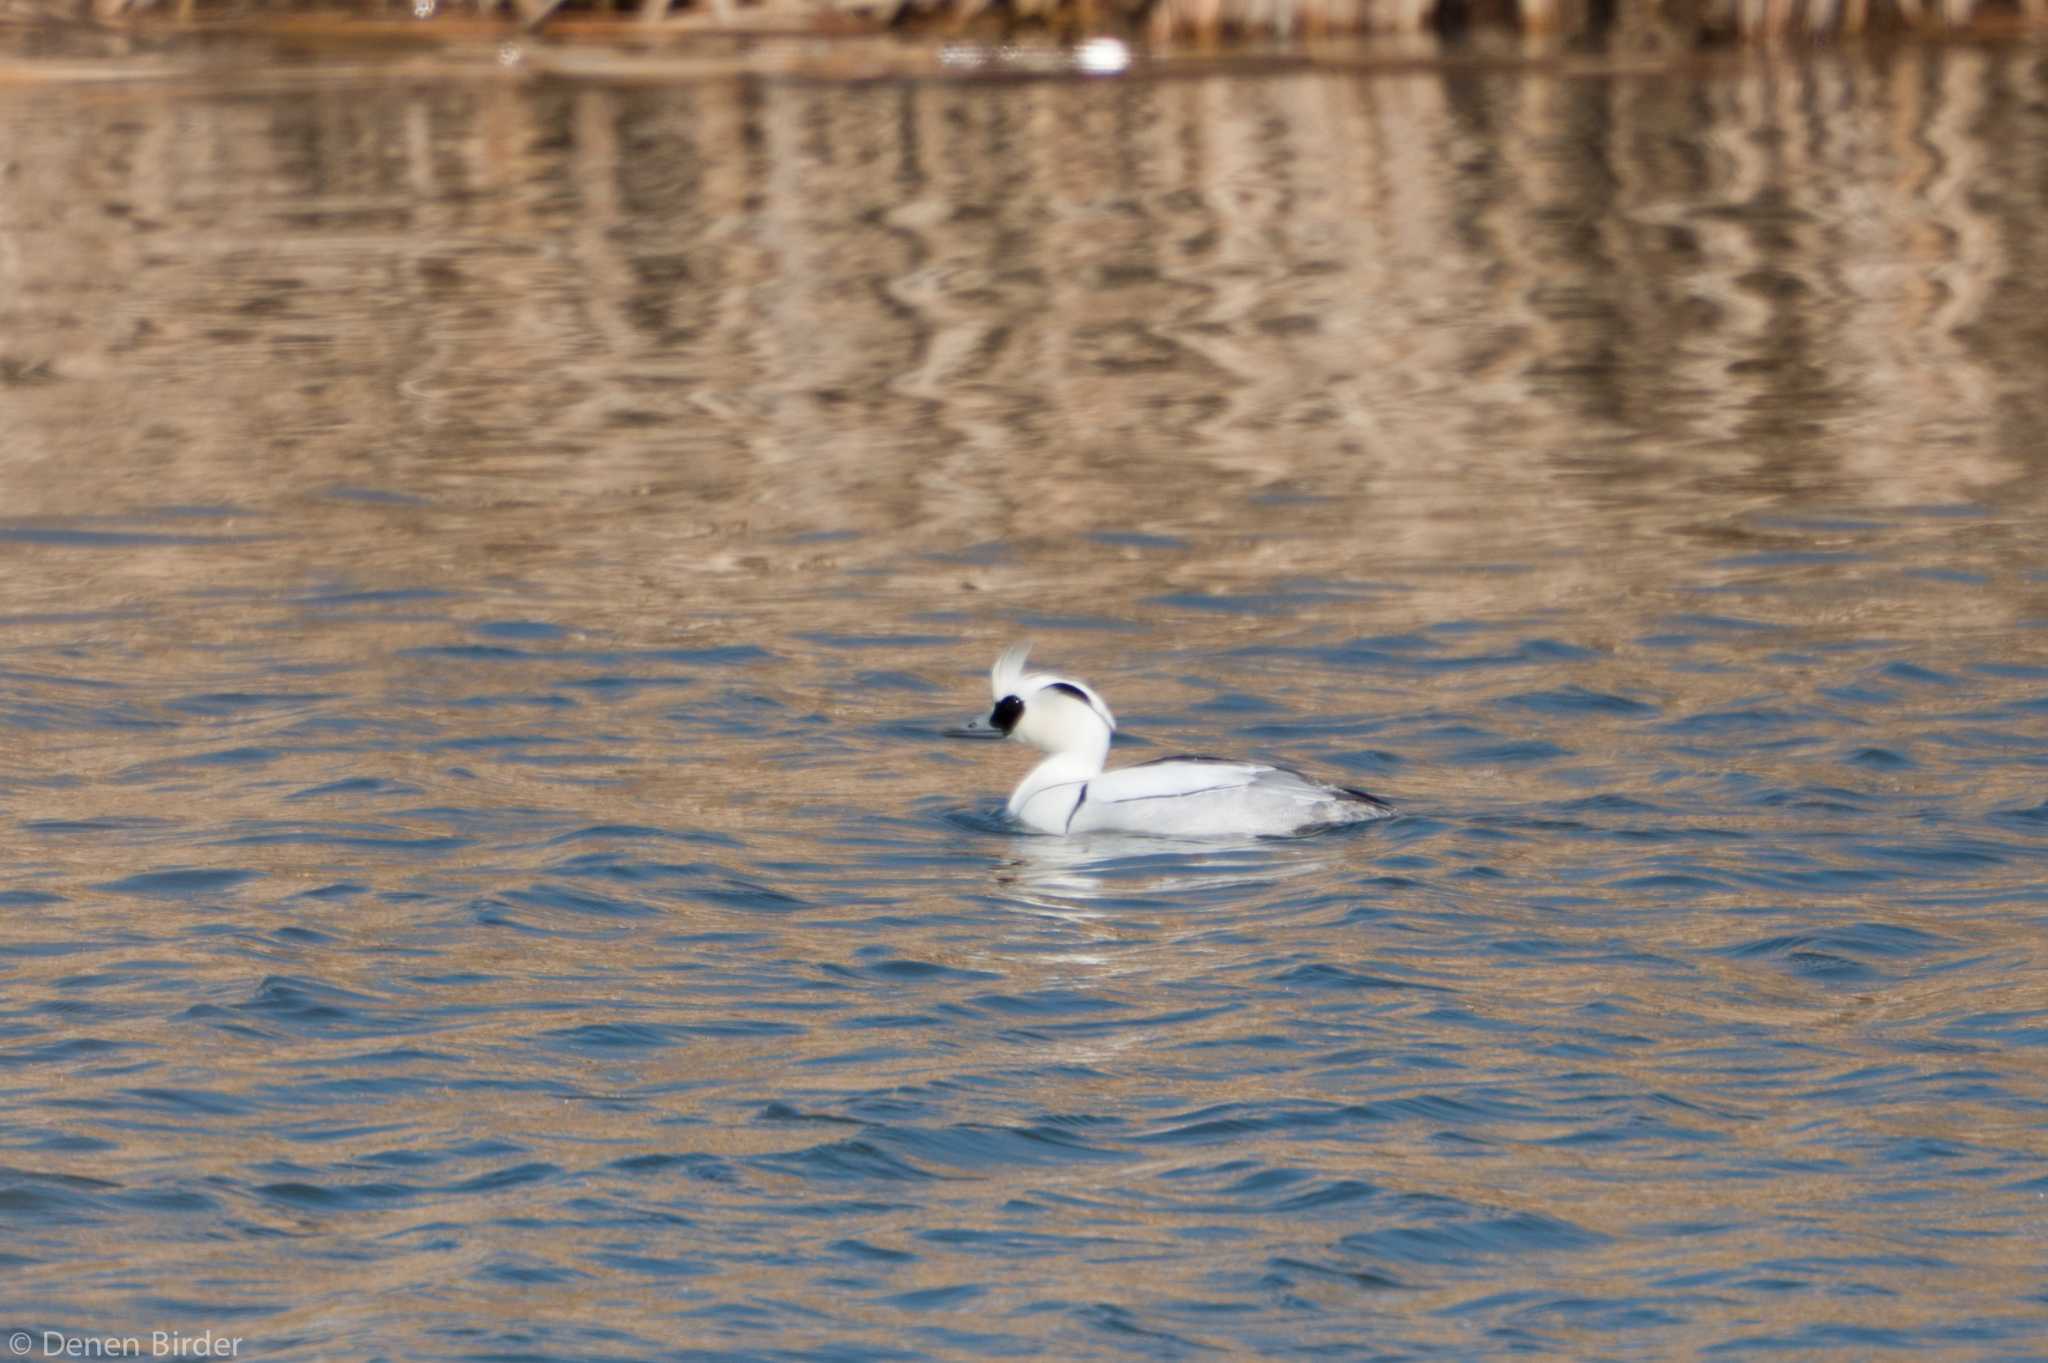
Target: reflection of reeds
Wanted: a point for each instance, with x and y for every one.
(979, 312)
(1661, 22)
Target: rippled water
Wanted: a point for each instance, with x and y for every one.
(487, 561)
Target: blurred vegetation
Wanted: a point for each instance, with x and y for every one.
(1665, 26)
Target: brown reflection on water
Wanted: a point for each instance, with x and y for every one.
(716, 314)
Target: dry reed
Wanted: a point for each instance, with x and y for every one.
(1662, 24)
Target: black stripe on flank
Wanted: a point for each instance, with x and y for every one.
(1170, 795)
(1077, 807)
(1060, 786)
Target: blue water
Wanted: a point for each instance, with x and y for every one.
(483, 1027)
(484, 878)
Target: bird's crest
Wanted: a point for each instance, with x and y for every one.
(1008, 678)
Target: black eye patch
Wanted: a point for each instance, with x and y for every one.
(1006, 714)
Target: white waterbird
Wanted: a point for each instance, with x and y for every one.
(1188, 797)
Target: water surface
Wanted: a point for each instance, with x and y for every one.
(485, 562)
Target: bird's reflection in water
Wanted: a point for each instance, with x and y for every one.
(1119, 936)
(1108, 878)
